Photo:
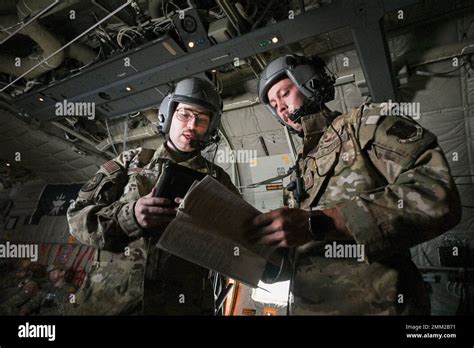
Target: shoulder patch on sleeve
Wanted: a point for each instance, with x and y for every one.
(93, 182)
(110, 167)
(402, 140)
(405, 131)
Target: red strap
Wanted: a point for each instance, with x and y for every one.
(79, 277)
(75, 265)
(71, 250)
(58, 252)
(91, 254)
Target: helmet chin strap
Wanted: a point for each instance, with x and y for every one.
(198, 144)
(309, 107)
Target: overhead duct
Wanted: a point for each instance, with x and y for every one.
(133, 135)
(8, 22)
(81, 53)
(47, 42)
(26, 8)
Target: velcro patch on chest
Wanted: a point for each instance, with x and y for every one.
(405, 131)
(329, 144)
(328, 140)
(308, 180)
(93, 182)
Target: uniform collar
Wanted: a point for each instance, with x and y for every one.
(163, 153)
(314, 126)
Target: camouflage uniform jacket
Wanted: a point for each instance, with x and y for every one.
(392, 184)
(131, 274)
(54, 300)
(20, 300)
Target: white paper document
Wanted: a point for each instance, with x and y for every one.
(208, 230)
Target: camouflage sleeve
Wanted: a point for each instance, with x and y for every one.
(419, 201)
(34, 304)
(97, 217)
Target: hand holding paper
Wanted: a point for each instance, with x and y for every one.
(209, 230)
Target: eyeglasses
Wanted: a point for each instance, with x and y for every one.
(186, 115)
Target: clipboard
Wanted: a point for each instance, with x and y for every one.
(176, 180)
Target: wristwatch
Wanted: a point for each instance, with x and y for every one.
(319, 225)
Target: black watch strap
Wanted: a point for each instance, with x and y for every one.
(318, 225)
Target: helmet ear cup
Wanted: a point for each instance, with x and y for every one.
(325, 81)
(165, 113)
